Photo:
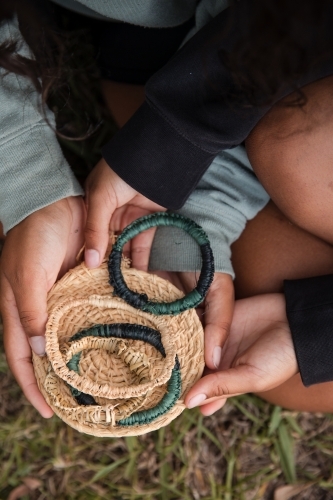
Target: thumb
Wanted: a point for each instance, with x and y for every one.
(31, 301)
(220, 385)
(105, 191)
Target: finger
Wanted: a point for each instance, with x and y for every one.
(18, 351)
(100, 210)
(212, 407)
(127, 250)
(29, 289)
(140, 249)
(219, 306)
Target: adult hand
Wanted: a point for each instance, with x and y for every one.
(36, 251)
(258, 355)
(111, 205)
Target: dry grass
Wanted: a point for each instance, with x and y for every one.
(245, 451)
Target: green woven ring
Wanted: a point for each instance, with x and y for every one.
(141, 301)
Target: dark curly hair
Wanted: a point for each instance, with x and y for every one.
(63, 69)
(44, 59)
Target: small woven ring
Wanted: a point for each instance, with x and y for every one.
(140, 300)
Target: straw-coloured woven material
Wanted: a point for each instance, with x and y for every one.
(125, 377)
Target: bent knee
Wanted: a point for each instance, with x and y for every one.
(291, 152)
(288, 125)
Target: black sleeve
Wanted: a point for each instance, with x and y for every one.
(310, 315)
(189, 116)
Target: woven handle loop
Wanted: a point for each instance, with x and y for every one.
(140, 300)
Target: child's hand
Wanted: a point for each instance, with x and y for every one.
(111, 205)
(258, 355)
(36, 251)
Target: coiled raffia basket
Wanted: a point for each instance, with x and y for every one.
(112, 369)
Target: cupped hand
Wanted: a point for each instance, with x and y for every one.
(258, 354)
(36, 252)
(111, 205)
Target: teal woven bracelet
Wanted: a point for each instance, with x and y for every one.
(141, 301)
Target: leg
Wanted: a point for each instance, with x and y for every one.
(272, 249)
(122, 99)
(291, 152)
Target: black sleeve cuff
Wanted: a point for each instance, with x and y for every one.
(155, 160)
(309, 305)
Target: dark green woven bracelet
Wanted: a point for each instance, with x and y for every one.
(140, 300)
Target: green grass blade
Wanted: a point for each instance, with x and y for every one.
(275, 420)
(285, 449)
(246, 412)
(106, 470)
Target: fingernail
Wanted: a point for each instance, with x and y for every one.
(196, 400)
(37, 344)
(217, 353)
(91, 258)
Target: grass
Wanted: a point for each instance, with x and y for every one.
(245, 451)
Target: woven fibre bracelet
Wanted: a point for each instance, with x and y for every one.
(140, 300)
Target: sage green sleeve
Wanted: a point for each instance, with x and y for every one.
(33, 170)
(227, 196)
(148, 13)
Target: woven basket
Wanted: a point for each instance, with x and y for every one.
(112, 369)
(134, 386)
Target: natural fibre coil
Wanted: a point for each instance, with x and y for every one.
(113, 369)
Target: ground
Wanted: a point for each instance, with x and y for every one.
(249, 450)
